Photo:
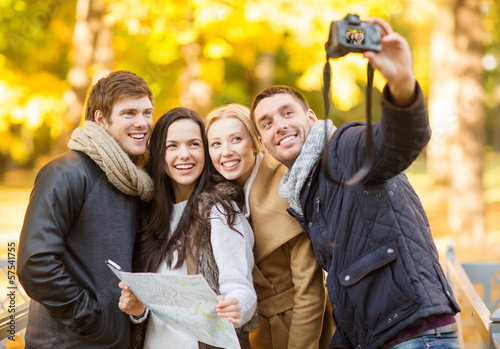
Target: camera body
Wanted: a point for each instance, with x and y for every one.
(350, 34)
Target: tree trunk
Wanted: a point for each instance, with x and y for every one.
(104, 53)
(92, 56)
(263, 74)
(467, 208)
(456, 108)
(443, 91)
(195, 93)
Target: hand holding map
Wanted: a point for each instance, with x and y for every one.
(187, 303)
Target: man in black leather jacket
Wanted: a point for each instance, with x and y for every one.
(83, 210)
(384, 280)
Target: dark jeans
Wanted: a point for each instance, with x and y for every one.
(443, 341)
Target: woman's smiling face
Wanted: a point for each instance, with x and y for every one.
(231, 149)
(184, 157)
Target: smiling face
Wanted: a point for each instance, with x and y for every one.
(130, 124)
(283, 125)
(231, 149)
(184, 157)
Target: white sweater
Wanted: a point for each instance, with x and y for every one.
(233, 254)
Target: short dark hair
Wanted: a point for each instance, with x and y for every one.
(110, 88)
(275, 90)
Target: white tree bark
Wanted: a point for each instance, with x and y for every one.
(457, 115)
(92, 57)
(195, 93)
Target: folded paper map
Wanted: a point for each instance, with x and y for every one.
(184, 302)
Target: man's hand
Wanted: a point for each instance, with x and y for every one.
(395, 63)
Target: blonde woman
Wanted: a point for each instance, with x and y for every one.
(292, 302)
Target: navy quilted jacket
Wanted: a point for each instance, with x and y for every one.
(373, 239)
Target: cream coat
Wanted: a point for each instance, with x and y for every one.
(293, 307)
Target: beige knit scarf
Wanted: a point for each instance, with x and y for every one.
(101, 147)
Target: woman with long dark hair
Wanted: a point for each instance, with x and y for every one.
(193, 225)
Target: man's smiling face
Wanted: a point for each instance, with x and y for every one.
(130, 124)
(283, 125)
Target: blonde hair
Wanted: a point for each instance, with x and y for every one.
(234, 111)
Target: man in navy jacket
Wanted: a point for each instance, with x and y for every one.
(385, 283)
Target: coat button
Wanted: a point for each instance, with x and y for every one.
(347, 278)
(358, 346)
(366, 192)
(378, 195)
(390, 251)
(389, 320)
(448, 293)
(310, 224)
(394, 185)
(334, 306)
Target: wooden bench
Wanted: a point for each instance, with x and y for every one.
(485, 311)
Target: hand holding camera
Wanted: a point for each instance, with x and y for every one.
(395, 63)
(386, 50)
(350, 34)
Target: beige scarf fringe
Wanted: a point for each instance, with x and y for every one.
(94, 141)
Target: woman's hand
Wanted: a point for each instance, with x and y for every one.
(129, 303)
(229, 308)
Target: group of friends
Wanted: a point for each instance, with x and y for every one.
(240, 197)
(354, 37)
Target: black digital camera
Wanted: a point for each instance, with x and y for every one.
(350, 34)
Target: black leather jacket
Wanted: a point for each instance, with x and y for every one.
(76, 219)
(373, 238)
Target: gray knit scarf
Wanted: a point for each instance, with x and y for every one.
(293, 180)
(101, 147)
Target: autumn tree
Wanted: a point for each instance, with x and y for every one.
(456, 105)
(92, 57)
(36, 35)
